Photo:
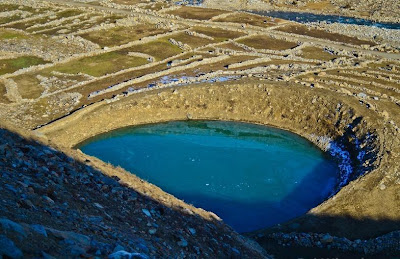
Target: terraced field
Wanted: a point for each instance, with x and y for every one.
(59, 58)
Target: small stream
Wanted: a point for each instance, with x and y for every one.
(310, 17)
(304, 17)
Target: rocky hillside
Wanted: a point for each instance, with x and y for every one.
(53, 205)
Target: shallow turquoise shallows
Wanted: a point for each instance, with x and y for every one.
(251, 176)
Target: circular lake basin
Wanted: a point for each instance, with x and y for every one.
(251, 176)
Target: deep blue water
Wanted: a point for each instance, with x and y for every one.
(310, 17)
(251, 176)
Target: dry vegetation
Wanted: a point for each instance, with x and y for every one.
(187, 12)
(12, 65)
(316, 33)
(266, 42)
(99, 65)
(251, 19)
(160, 49)
(121, 35)
(317, 53)
(3, 92)
(218, 34)
(192, 41)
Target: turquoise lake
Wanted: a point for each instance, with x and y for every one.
(251, 176)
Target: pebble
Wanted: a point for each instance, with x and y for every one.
(146, 212)
(118, 248)
(127, 255)
(11, 225)
(192, 231)
(8, 248)
(327, 239)
(183, 243)
(39, 229)
(98, 206)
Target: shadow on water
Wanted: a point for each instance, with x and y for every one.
(295, 204)
(245, 216)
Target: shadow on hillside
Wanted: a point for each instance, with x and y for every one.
(89, 201)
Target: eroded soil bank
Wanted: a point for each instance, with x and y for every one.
(365, 143)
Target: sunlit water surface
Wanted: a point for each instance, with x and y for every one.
(251, 176)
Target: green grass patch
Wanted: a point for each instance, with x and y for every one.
(265, 42)
(42, 21)
(121, 35)
(10, 34)
(218, 34)
(4, 20)
(86, 89)
(12, 65)
(102, 64)
(8, 7)
(68, 13)
(159, 49)
(13, 7)
(27, 24)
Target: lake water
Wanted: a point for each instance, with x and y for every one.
(251, 176)
(310, 17)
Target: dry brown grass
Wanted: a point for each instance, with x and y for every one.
(231, 46)
(28, 86)
(196, 13)
(102, 64)
(160, 49)
(265, 42)
(316, 53)
(304, 30)
(218, 34)
(365, 82)
(3, 91)
(192, 41)
(121, 35)
(221, 65)
(156, 6)
(319, 6)
(127, 2)
(252, 19)
(272, 62)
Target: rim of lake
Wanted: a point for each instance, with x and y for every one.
(252, 176)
